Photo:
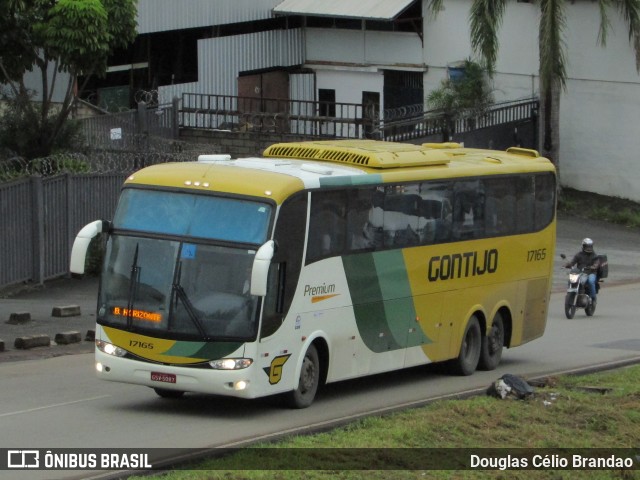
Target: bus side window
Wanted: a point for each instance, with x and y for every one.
(360, 234)
(468, 210)
(435, 212)
(400, 219)
(545, 200)
(501, 206)
(327, 225)
(525, 204)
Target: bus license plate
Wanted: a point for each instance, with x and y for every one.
(163, 377)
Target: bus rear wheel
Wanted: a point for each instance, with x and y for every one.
(492, 344)
(309, 380)
(469, 355)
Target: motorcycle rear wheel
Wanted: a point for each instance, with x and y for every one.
(569, 305)
(590, 309)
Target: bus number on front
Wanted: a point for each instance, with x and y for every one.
(536, 255)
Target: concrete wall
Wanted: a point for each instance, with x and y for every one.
(600, 109)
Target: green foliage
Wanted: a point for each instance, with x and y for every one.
(54, 36)
(25, 132)
(466, 97)
(95, 255)
(599, 207)
(76, 32)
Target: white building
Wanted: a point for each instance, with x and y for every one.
(600, 109)
(389, 53)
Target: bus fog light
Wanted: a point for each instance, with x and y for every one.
(240, 385)
(98, 367)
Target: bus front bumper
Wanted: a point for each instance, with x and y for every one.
(234, 383)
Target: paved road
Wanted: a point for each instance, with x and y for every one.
(59, 403)
(620, 243)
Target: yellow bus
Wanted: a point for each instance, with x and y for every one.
(320, 262)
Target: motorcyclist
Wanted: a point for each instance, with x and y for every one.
(587, 260)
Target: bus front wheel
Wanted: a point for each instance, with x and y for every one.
(309, 380)
(492, 343)
(469, 355)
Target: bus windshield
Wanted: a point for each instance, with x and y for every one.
(175, 289)
(184, 214)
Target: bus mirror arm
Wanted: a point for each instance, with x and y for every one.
(81, 244)
(260, 270)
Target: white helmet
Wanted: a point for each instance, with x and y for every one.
(587, 245)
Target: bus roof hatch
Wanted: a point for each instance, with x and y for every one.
(364, 153)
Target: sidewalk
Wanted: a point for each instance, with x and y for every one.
(621, 244)
(39, 303)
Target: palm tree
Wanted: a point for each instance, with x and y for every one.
(485, 19)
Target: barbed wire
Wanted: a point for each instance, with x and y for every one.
(150, 97)
(99, 161)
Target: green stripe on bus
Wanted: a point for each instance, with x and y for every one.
(366, 295)
(396, 294)
(382, 301)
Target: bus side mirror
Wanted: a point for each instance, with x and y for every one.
(260, 270)
(81, 244)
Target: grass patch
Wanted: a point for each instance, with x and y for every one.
(571, 412)
(599, 207)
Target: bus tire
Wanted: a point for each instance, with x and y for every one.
(469, 355)
(166, 393)
(309, 380)
(492, 345)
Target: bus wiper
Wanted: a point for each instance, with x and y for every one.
(184, 298)
(133, 287)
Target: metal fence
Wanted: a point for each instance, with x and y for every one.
(41, 216)
(134, 129)
(426, 124)
(273, 115)
(42, 211)
(335, 119)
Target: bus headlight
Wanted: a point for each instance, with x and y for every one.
(230, 363)
(110, 349)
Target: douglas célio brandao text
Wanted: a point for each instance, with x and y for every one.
(551, 461)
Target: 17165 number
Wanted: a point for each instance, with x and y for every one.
(536, 255)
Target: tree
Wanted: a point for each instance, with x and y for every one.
(54, 36)
(466, 97)
(485, 20)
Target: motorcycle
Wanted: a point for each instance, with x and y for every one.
(577, 296)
